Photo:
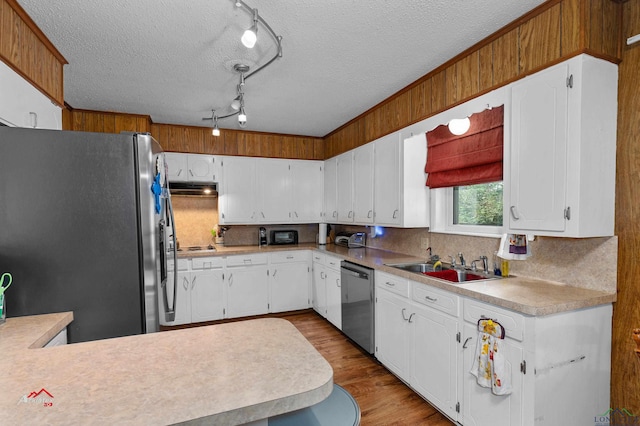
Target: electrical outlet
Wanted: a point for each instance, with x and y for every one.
(424, 243)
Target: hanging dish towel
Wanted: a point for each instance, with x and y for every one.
(489, 366)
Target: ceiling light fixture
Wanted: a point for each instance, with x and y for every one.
(459, 126)
(249, 39)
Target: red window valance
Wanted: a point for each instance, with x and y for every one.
(472, 158)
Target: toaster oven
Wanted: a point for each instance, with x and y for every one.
(283, 237)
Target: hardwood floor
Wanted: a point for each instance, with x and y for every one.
(383, 398)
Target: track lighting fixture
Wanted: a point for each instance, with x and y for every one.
(459, 126)
(248, 39)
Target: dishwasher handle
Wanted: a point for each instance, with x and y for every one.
(355, 273)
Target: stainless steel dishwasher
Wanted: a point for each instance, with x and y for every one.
(357, 304)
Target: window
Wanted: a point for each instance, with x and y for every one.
(478, 205)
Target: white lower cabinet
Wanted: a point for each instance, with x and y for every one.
(289, 281)
(247, 285)
(392, 331)
(199, 293)
(207, 295)
(327, 294)
(558, 364)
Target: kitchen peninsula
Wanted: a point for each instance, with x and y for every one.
(224, 374)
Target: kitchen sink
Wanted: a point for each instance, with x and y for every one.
(454, 275)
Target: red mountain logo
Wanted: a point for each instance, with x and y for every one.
(37, 394)
(42, 396)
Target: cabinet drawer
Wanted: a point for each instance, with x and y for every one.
(290, 256)
(435, 298)
(318, 257)
(392, 283)
(512, 322)
(332, 262)
(207, 262)
(183, 265)
(247, 259)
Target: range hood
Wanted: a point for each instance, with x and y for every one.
(194, 189)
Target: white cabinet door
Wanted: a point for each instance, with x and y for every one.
(289, 286)
(539, 151)
(434, 358)
(237, 199)
(201, 168)
(392, 332)
(386, 180)
(481, 407)
(331, 190)
(22, 105)
(320, 289)
(307, 182)
(247, 291)
(363, 184)
(334, 298)
(176, 166)
(273, 190)
(207, 295)
(345, 187)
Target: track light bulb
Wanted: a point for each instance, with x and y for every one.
(242, 118)
(215, 131)
(249, 38)
(235, 104)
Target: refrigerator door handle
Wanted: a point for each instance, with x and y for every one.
(170, 312)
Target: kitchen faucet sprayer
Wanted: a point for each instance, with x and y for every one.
(462, 262)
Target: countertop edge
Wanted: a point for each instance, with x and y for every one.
(487, 291)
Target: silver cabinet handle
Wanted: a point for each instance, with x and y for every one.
(179, 172)
(322, 275)
(190, 172)
(390, 284)
(350, 214)
(275, 271)
(395, 213)
(338, 282)
(514, 213)
(296, 213)
(464, 346)
(230, 279)
(289, 257)
(335, 213)
(403, 316)
(193, 282)
(369, 214)
(185, 283)
(246, 261)
(410, 317)
(262, 213)
(431, 299)
(34, 120)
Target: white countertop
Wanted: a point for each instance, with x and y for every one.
(221, 374)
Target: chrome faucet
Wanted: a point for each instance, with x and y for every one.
(485, 264)
(453, 261)
(462, 262)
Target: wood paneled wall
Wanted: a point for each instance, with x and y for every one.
(29, 52)
(197, 140)
(556, 30)
(625, 377)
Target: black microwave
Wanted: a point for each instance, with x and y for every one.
(283, 237)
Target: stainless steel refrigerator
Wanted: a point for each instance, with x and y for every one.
(85, 222)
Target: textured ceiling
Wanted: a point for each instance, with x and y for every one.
(173, 59)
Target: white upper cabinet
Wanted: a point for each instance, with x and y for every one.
(331, 190)
(307, 183)
(270, 190)
(273, 190)
(386, 179)
(185, 167)
(237, 199)
(563, 146)
(345, 187)
(363, 184)
(22, 105)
